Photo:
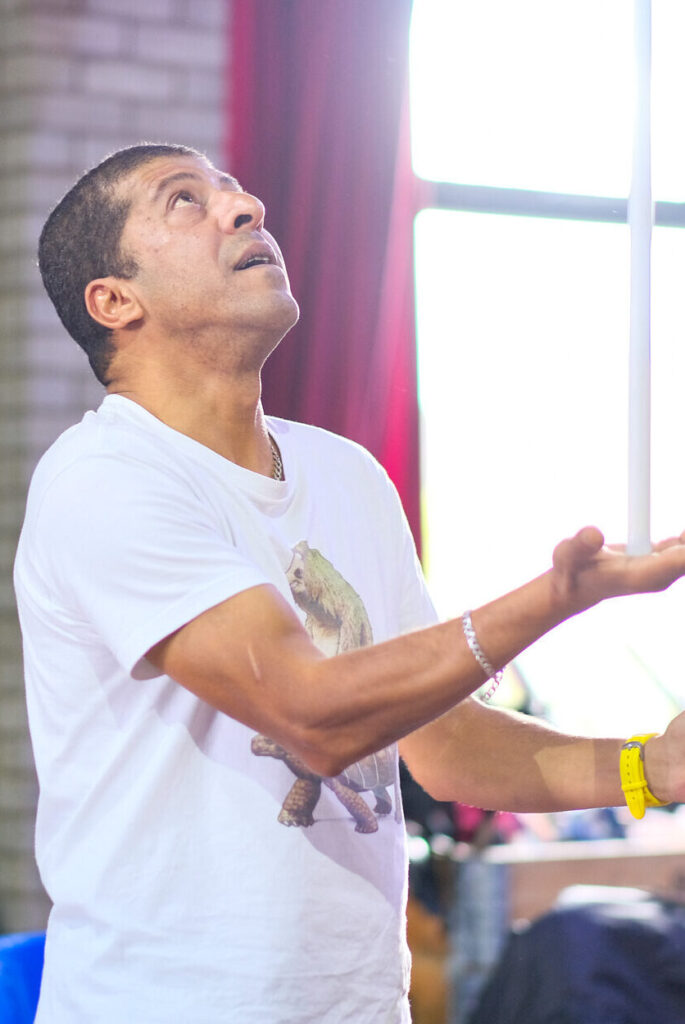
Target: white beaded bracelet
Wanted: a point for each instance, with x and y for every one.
(477, 652)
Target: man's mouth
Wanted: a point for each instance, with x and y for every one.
(255, 256)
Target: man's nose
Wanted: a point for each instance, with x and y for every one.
(238, 210)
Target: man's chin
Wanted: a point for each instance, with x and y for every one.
(286, 314)
(280, 324)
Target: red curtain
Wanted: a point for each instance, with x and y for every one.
(318, 130)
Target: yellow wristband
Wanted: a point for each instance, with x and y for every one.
(633, 781)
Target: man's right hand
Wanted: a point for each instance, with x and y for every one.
(585, 571)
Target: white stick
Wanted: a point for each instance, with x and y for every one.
(640, 217)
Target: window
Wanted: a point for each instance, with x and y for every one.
(522, 115)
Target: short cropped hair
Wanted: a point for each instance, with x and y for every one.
(80, 242)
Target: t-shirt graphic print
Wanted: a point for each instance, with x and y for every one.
(337, 621)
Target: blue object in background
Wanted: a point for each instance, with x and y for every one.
(21, 967)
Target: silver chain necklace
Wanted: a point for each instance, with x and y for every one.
(277, 471)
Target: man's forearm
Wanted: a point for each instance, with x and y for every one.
(395, 688)
(434, 671)
(494, 758)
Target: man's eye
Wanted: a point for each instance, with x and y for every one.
(184, 199)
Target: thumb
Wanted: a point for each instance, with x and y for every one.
(572, 554)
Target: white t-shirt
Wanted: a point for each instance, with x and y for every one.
(181, 896)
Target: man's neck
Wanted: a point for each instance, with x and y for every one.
(223, 414)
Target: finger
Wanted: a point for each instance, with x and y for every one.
(576, 551)
(670, 542)
(590, 539)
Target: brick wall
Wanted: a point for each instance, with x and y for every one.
(78, 78)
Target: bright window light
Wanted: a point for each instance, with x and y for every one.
(523, 327)
(538, 95)
(522, 322)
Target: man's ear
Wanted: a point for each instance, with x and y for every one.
(112, 301)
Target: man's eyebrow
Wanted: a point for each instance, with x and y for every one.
(225, 180)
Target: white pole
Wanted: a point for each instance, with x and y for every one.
(640, 218)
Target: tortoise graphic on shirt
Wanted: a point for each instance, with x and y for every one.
(337, 621)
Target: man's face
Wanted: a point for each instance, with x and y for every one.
(206, 265)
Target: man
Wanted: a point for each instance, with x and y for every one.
(226, 632)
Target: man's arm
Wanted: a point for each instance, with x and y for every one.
(499, 759)
(251, 658)
(493, 758)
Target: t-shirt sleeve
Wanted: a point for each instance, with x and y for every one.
(415, 608)
(133, 553)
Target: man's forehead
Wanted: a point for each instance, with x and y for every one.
(149, 179)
